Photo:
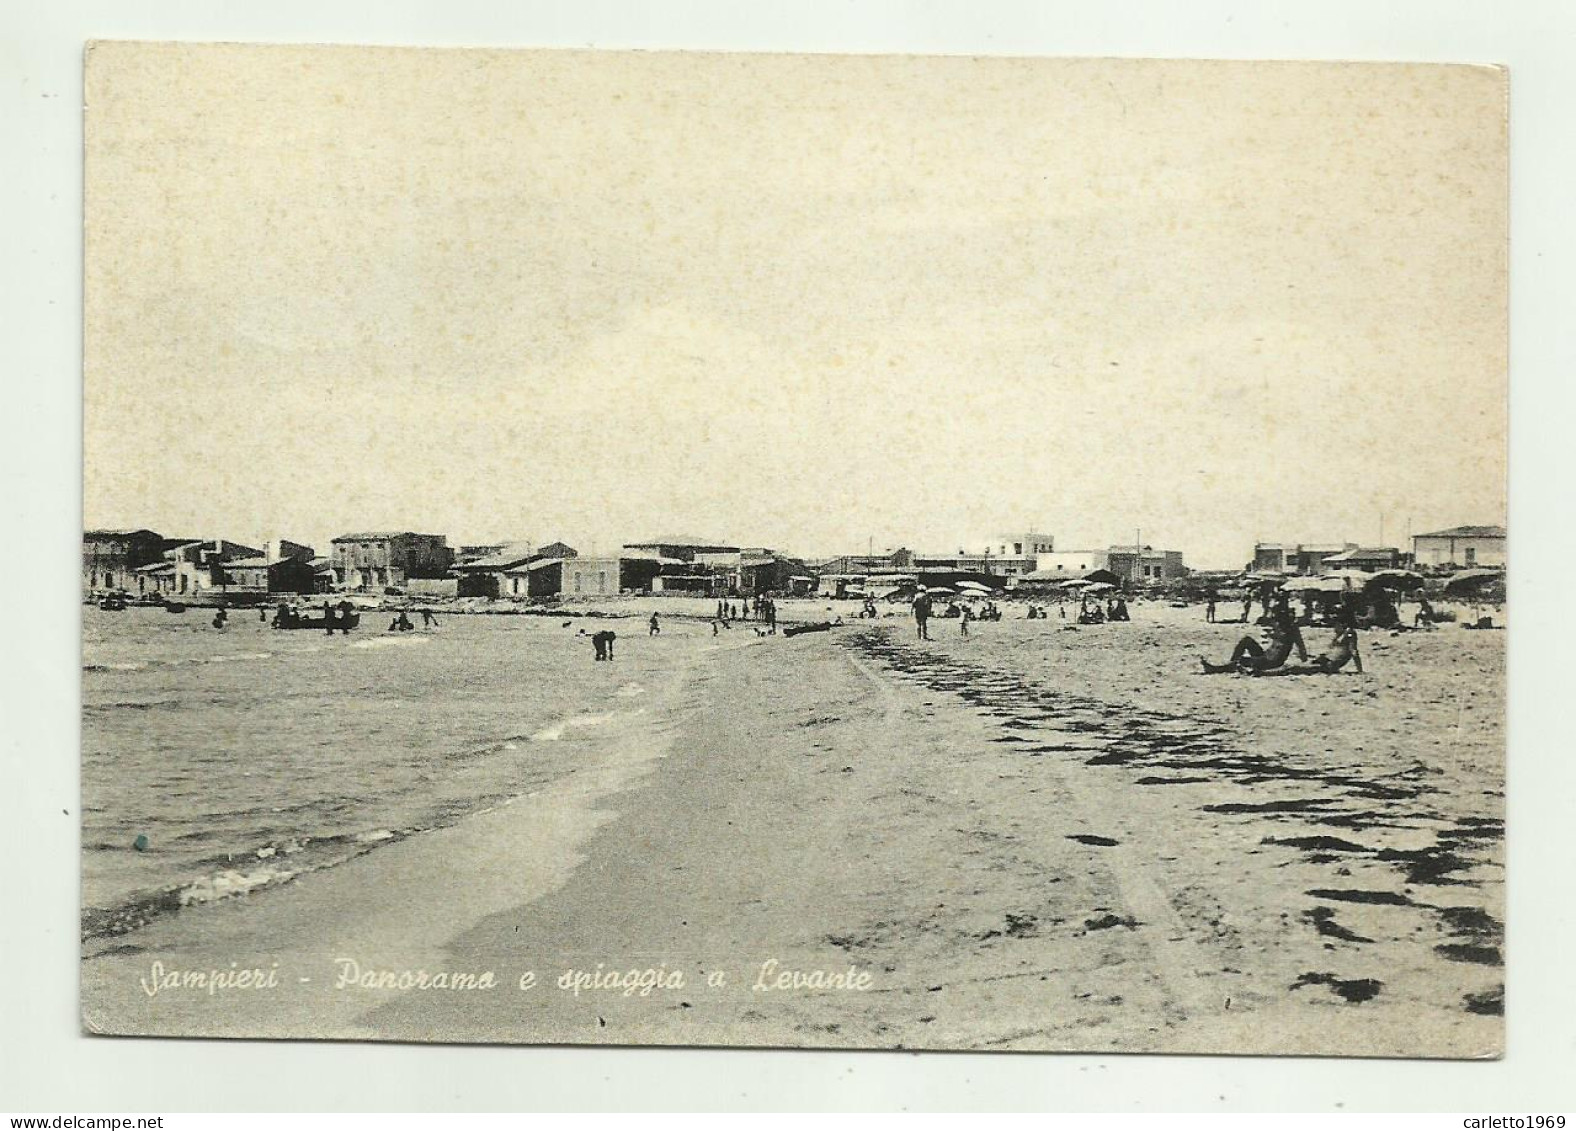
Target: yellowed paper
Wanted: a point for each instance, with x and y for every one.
(520, 349)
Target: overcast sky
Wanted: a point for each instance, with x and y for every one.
(808, 303)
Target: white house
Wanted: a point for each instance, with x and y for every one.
(1481, 546)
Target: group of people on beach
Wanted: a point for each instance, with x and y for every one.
(403, 623)
(1090, 610)
(1282, 636)
(727, 612)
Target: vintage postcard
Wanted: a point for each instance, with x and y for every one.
(803, 551)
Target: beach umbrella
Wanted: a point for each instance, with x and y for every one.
(1313, 585)
(975, 587)
(1075, 584)
(1352, 577)
(940, 591)
(1469, 578)
(1099, 587)
(1398, 579)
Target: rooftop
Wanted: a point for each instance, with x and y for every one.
(118, 533)
(512, 554)
(686, 540)
(1363, 552)
(1466, 532)
(379, 535)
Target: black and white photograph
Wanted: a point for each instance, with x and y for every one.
(765, 550)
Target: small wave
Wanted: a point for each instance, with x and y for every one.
(144, 665)
(231, 876)
(391, 641)
(232, 882)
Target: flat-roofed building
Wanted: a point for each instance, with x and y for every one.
(1470, 546)
(387, 559)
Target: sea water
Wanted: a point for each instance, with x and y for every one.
(219, 762)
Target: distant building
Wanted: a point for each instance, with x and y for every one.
(1026, 545)
(188, 567)
(681, 547)
(1005, 555)
(110, 558)
(488, 575)
(260, 575)
(689, 565)
(1145, 564)
(467, 554)
(1367, 558)
(278, 549)
(1012, 565)
(1300, 558)
(1482, 546)
(388, 559)
(1068, 565)
(766, 571)
(582, 577)
(899, 560)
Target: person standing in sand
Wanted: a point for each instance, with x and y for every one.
(1209, 610)
(922, 614)
(964, 616)
(656, 629)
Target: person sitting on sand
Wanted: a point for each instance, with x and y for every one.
(1342, 651)
(1252, 658)
(1286, 623)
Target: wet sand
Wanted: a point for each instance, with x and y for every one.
(1033, 838)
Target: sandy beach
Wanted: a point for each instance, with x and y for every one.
(1035, 837)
